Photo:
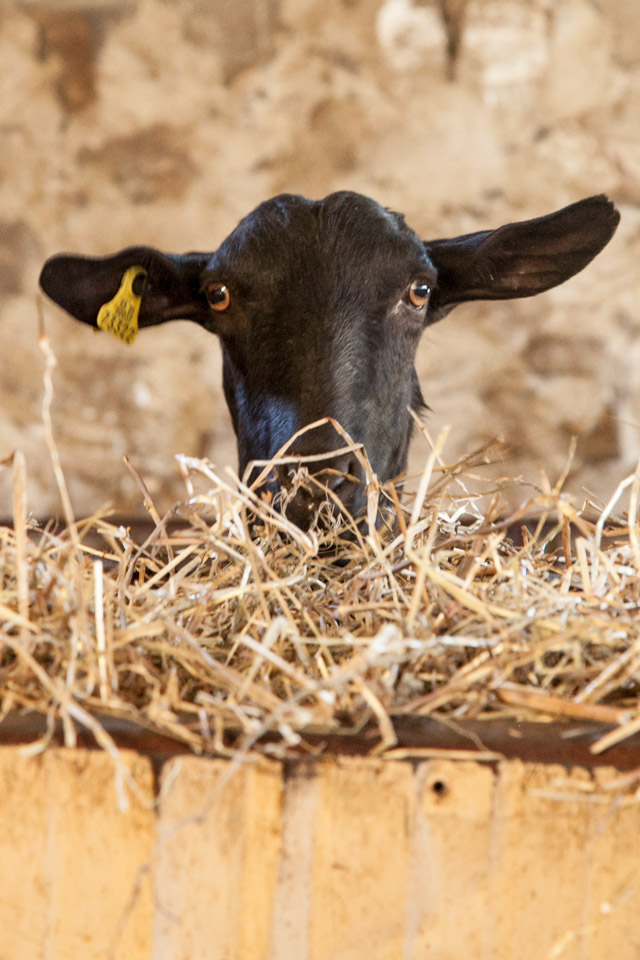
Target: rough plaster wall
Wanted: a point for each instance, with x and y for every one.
(162, 122)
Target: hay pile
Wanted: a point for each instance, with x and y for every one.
(228, 623)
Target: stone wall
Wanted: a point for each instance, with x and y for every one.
(164, 122)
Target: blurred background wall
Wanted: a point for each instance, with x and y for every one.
(149, 121)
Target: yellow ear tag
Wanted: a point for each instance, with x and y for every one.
(120, 315)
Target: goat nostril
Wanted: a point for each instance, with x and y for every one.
(344, 478)
(350, 472)
(286, 473)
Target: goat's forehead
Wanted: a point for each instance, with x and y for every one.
(291, 227)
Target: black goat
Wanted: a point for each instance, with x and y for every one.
(319, 306)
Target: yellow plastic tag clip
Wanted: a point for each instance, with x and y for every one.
(120, 315)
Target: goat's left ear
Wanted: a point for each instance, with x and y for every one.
(519, 259)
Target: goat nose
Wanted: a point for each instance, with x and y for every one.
(306, 489)
(332, 473)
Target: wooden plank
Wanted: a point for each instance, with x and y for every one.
(567, 865)
(560, 741)
(216, 859)
(448, 909)
(73, 865)
(362, 843)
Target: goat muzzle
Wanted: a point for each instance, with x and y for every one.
(317, 492)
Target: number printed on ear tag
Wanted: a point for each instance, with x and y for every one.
(119, 316)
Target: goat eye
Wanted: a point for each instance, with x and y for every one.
(419, 293)
(217, 296)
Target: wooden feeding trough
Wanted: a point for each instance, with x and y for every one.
(218, 742)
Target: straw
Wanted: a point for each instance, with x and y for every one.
(231, 630)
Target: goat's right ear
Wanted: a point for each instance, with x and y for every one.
(169, 286)
(520, 259)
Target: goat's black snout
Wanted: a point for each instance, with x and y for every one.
(335, 484)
